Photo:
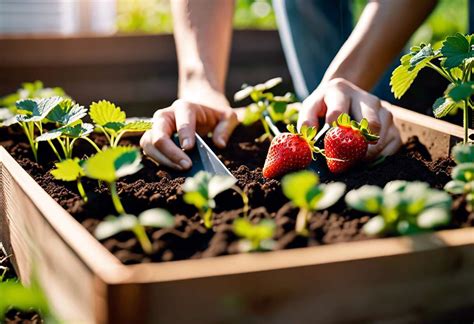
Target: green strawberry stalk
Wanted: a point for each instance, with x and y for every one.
(290, 151)
(346, 143)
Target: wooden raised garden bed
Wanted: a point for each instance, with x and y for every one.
(400, 278)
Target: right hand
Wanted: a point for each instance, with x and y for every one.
(186, 118)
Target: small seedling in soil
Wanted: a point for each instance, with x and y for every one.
(290, 151)
(306, 193)
(401, 207)
(201, 190)
(112, 225)
(463, 174)
(67, 118)
(31, 114)
(455, 63)
(112, 164)
(346, 143)
(255, 237)
(71, 170)
(111, 120)
(280, 108)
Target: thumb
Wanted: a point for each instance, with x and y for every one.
(224, 129)
(313, 108)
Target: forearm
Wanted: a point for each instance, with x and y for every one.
(383, 29)
(203, 31)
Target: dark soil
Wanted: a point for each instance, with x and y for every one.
(155, 186)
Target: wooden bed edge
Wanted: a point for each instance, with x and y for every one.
(93, 254)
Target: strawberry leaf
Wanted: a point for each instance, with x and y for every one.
(34, 110)
(255, 236)
(463, 153)
(252, 114)
(66, 113)
(156, 217)
(113, 225)
(461, 91)
(443, 106)
(138, 126)
(456, 49)
(73, 131)
(68, 170)
(106, 114)
(113, 163)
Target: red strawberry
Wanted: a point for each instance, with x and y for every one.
(290, 152)
(346, 143)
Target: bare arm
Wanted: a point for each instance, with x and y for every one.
(203, 32)
(383, 29)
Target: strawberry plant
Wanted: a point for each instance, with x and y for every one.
(346, 143)
(306, 193)
(67, 118)
(453, 61)
(112, 121)
(112, 225)
(463, 174)
(290, 151)
(280, 108)
(255, 237)
(112, 164)
(401, 207)
(71, 170)
(201, 190)
(31, 114)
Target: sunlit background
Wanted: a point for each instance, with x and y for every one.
(123, 50)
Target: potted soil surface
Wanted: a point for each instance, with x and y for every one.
(48, 227)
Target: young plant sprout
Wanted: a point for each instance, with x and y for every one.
(201, 190)
(31, 114)
(112, 164)
(67, 118)
(70, 170)
(455, 59)
(401, 207)
(112, 225)
(463, 174)
(255, 237)
(112, 121)
(280, 108)
(306, 193)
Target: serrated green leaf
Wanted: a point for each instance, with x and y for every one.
(220, 183)
(138, 126)
(78, 130)
(332, 192)
(33, 110)
(252, 114)
(463, 153)
(456, 49)
(296, 187)
(113, 225)
(367, 199)
(263, 230)
(66, 113)
(68, 170)
(404, 75)
(156, 217)
(106, 114)
(461, 91)
(425, 52)
(444, 106)
(113, 163)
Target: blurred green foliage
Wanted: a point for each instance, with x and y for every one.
(153, 16)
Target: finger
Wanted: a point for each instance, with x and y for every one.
(337, 102)
(150, 150)
(185, 123)
(392, 147)
(311, 109)
(161, 138)
(224, 129)
(370, 110)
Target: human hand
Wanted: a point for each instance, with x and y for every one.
(186, 118)
(341, 96)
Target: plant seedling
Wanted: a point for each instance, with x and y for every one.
(67, 118)
(112, 225)
(201, 190)
(401, 207)
(111, 120)
(31, 114)
(255, 237)
(455, 59)
(280, 108)
(346, 143)
(306, 193)
(70, 170)
(112, 164)
(290, 151)
(463, 174)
